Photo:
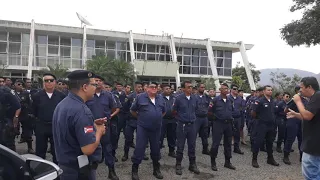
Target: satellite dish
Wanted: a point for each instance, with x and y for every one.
(83, 20)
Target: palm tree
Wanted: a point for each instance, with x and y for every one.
(58, 70)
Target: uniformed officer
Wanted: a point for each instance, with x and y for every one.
(237, 117)
(114, 126)
(202, 123)
(249, 118)
(103, 105)
(1, 81)
(212, 95)
(243, 116)
(169, 124)
(149, 109)
(26, 117)
(62, 86)
(131, 124)
(9, 113)
(222, 108)
(44, 104)
(264, 126)
(185, 107)
(281, 119)
(75, 132)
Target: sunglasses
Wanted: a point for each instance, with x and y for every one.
(235, 89)
(49, 80)
(62, 84)
(19, 84)
(153, 87)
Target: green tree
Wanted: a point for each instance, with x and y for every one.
(3, 69)
(305, 30)
(208, 82)
(112, 70)
(58, 70)
(237, 81)
(240, 72)
(283, 82)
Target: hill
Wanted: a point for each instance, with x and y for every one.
(265, 74)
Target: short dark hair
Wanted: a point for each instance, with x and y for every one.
(277, 94)
(165, 85)
(1, 77)
(287, 93)
(127, 85)
(310, 82)
(225, 84)
(183, 85)
(233, 85)
(77, 84)
(266, 86)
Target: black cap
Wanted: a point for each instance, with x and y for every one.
(99, 77)
(80, 74)
(119, 84)
(153, 83)
(19, 81)
(49, 74)
(260, 89)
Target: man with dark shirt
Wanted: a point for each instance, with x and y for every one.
(310, 116)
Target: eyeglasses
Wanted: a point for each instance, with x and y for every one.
(49, 80)
(153, 87)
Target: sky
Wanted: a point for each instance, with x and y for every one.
(251, 21)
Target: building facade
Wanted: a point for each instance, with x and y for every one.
(165, 59)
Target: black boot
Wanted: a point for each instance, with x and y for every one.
(193, 167)
(255, 160)
(156, 170)
(238, 151)
(112, 174)
(134, 174)
(125, 157)
(213, 164)
(205, 150)
(279, 149)
(228, 164)
(133, 145)
(172, 153)
(178, 167)
(30, 149)
(286, 159)
(300, 156)
(271, 160)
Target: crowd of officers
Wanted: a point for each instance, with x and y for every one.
(86, 115)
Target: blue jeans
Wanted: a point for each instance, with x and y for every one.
(310, 167)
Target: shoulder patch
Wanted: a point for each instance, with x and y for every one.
(88, 129)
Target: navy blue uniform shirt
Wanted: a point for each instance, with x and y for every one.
(238, 106)
(185, 108)
(101, 106)
(149, 114)
(9, 101)
(265, 110)
(221, 108)
(117, 100)
(169, 104)
(203, 105)
(122, 97)
(280, 106)
(73, 128)
(128, 104)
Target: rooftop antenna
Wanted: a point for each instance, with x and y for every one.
(83, 20)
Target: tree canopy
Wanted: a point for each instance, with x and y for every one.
(283, 82)
(239, 76)
(305, 30)
(58, 70)
(3, 68)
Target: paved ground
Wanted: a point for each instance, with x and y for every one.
(243, 163)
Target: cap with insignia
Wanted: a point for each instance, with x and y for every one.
(80, 74)
(49, 74)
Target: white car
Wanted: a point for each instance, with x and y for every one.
(26, 167)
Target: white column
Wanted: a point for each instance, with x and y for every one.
(245, 60)
(31, 46)
(132, 55)
(174, 58)
(84, 47)
(213, 65)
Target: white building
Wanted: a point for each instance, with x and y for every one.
(165, 59)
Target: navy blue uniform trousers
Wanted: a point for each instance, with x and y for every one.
(186, 132)
(131, 126)
(236, 133)
(168, 128)
(107, 150)
(202, 127)
(281, 124)
(74, 174)
(293, 130)
(263, 132)
(219, 129)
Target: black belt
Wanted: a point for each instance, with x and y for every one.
(187, 123)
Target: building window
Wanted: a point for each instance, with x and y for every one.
(228, 54)
(3, 36)
(76, 63)
(219, 62)
(65, 41)
(76, 42)
(195, 70)
(53, 40)
(111, 54)
(227, 72)
(14, 48)
(14, 37)
(66, 51)
(3, 47)
(151, 57)
(151, 48)
(140, 47)
(42, 39)
(112, 45)
(41, 50)
(227, 63)
(195, 61)
(66, 62)
(15, 60)
(121, 46)
(187, 60)
(100, 44)
(53, 50)
(187, 51)
(90, 43)
(26, 39)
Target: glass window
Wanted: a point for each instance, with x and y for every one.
(65, 51)
(151, 56)
(15, 60)
(100, 44)
(203, 52)
(3, 47)
(179, 50)
(41, 50)
(52, 61)
(90, 43)
(3, 36)
(161, 57)
(227, 72)
(121, 46)
(228, 54)
(14, 37)
(186, 69)
(180, 69)
(203, 70)
(41, 62)
(140, 47)
(128, 57)
(100, 52)
(195, 61)
(141, 56)
(25, 50)
(121, 55)
(195, 70)
(66, 62)
(53, 50)
(77, 52)
(25, 38)
(90, 53)
(209, 71)
(65, 41)
(186, 60)
(76, 63)
(168, 49)
(219, 53)
(24, 60)
(195, 52)
(227, 63)
(14, 48)
(168, 57)
(111, 54)
(187, 51)
(111, 45)
(179, 59)
(77, 42)
(203, 61)
(214, 53)
(220, 71)
(219, 62)
(42, 40)
(161, 49)
(54, 40)
(151, 48)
